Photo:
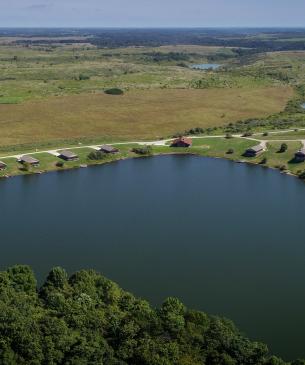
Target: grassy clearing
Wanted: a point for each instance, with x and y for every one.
(148, 114)
(10, 100)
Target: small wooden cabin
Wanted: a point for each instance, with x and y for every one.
(68, 155)
(254, 151)
(299, 156)
(182, 142)
(29, 160)
(108, 149)
(3, 166)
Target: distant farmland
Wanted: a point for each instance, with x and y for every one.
(137, 114)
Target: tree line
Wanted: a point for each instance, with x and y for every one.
(87, 319)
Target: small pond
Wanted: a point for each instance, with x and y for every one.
(206, 66)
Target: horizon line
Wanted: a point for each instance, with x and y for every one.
(156, 27)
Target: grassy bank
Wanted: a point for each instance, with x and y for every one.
(232, 149)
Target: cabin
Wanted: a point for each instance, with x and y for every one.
(3, 166)
(108, 149)
(29, 160)
(182, 142)
(68, 155)
(299, 156)
(254, 151)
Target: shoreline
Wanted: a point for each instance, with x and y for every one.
(122, 158)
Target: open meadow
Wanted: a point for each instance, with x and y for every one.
(54, 92)
(136, 115)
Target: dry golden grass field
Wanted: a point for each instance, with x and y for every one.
(135, 115)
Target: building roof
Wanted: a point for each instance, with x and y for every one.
(29, 159)
(185, 140)
(68, 154)
(301, 152)
(108, 148)
(257, 148)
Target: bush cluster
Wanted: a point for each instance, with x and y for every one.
(144, 150)
(114, 91)
(88, 319)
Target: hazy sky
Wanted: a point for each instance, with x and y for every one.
(152, 13)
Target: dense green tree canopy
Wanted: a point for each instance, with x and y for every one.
(88, 320)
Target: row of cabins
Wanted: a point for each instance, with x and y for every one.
(179, 142)
(66, 155)
(250, 152)
(299, 156)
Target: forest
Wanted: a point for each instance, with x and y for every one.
(88, 319)
(262, 40)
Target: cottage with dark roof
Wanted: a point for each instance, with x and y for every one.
(182, 142)
(68, 155)
(29, 160)
(254, 151)
(3, 166)
(299, 156)
(108, 149)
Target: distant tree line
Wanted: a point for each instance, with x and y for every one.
(170, 56)
(86, 319)
(261, 40)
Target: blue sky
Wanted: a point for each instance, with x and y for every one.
(152, 13)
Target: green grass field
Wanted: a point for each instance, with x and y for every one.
(55, 93)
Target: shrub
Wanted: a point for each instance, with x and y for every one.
(247, 134)
(265, 134)
(196, 130)
(145, 150)
(59, 164)
(230, 151)
(283, 167)
(82, 77)
(283, 148)
(114, 91)
(96, 155)
(229, 135)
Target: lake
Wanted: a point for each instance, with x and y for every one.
(206, 66)
(225, 238)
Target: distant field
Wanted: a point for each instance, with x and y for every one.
(52, 93)
(138, 114)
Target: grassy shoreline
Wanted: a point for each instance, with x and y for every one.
(205, 147)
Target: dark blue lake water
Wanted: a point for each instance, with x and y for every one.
(225, 238)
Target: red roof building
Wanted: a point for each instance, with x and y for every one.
(182, 142)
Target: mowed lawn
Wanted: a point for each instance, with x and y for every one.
(138, 114)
